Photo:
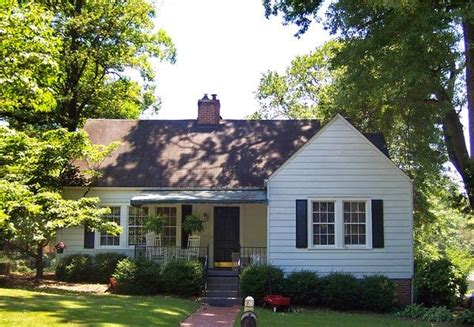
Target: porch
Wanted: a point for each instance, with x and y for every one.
(234, 230)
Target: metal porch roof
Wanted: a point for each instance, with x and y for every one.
(201, 196)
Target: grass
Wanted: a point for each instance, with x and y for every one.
(327, 318)
(20, 307)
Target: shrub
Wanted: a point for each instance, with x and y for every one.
(75, 268)
(303, 288)
(140, 277)
(412, 311)
(466, 317)
(340, 291)
(260, 280)
(183, 277)
(438, 282)
(437, 314)
(104, 265)
(377, 293)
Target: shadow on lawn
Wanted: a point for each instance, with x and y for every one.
(100, 309)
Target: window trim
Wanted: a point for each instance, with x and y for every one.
(339, 223)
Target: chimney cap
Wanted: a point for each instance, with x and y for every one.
(214, 96)
(205, 97)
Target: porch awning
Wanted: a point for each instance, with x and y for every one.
(236, 196)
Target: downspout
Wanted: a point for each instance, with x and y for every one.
(267, 185)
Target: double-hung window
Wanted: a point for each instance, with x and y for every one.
(108, 239)
(136, 225)
(355, 221)
(339, 223)
(323, 223)
(169, 214)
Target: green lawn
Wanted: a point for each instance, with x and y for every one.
(47, 308)
(322, 318)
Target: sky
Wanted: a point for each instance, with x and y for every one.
(223, 47)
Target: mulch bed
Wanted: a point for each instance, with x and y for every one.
(49, 282)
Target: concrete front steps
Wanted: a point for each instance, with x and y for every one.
(222, 288)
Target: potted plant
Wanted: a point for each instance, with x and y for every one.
(154, 224)
(193, 224)
(60, 246)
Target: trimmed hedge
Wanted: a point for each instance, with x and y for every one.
(75, 268)
(137, 277)
(260, 280)
(340, 291)
(183, 277)
(377, 293)
(303, 288)
(86, 268)
(104, 265)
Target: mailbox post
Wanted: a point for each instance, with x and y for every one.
(248, 318)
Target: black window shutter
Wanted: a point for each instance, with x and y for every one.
(301, 223)
(377, 224)
(186, 210)
(89, 236)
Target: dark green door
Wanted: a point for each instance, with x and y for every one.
(226, 234)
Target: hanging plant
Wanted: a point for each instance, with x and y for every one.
(154, 224)
(193, 224)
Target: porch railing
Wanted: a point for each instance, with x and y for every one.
(252, 255)
(167, 253)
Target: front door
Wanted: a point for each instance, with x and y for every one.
(226, 235)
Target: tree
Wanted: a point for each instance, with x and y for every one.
(29, 52)
(32, 173)
(404, 60)
(99, 44)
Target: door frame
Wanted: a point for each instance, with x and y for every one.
(241, 209)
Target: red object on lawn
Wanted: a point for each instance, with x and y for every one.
(277, 302)
(113, 282)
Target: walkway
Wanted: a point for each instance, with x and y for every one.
(207, 316)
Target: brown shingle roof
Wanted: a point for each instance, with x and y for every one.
(181, 154)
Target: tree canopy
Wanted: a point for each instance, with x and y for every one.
(79, 62)
(404, 72)
(33, 171)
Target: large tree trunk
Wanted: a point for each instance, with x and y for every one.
(39, 262)
(468, 30)
(457, 151)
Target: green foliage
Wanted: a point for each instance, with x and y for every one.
(260, 280)
(87, 47)
(413, 311)
(183, 277)
(303, 91)
(340, 291)
(377, 293)
(140, 277)
(104, 265)
(434, 314)
(154, 224)
(303, 288)
(466, 317)
(29, 51)
(193, 223)
(75, 268)
(439, 282)
(33, 171)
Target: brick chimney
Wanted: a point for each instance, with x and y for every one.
(209, 110)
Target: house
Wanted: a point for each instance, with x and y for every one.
(289, 192)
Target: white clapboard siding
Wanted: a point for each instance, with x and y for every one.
(340, 162)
